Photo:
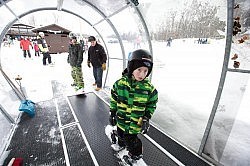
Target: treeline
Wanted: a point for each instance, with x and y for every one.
(197, 20)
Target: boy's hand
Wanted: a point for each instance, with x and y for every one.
(145, 126)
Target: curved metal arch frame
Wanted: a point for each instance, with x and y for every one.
(230, 6)
(116, 33)
(147, 33)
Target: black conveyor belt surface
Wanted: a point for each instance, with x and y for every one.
(37, 140)
(93, 115)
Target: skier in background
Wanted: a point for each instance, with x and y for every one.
(169, 41)
(133, 102)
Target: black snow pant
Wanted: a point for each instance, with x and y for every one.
(25, 53)
(131, 141)
(46, 55)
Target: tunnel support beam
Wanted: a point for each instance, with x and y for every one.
(223, 74)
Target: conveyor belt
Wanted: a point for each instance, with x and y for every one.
(179, 152)
(37, 140)
(48, 139)
(93, 115)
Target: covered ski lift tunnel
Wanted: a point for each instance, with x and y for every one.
(202, 116)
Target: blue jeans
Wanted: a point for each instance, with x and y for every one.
(97, 71)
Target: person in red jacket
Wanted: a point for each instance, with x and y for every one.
(25, 46)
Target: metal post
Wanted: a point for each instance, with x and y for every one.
(8, 117)
(230, 6)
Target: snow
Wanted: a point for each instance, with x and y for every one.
(186, 76)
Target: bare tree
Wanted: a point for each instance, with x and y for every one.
(196, 20)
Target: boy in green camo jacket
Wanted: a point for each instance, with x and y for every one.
(133, 102)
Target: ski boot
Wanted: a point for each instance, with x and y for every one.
(131, 159)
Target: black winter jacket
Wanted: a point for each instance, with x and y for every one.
(97, 55)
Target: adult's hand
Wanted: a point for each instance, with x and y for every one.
(104, 66)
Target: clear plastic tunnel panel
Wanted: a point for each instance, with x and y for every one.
(5, 17)
(82, 9)
(132, 36)
(21, 6)
(131, 30)
(108, 7)
(185, 70)
(5, 129)
(10, 103)
(229, 137)
(8, 98)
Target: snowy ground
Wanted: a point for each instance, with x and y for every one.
(186, 75)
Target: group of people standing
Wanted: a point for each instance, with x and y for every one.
(133, 97)
(96, 58)
(40, 45)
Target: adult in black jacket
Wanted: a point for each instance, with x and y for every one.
(97, 58)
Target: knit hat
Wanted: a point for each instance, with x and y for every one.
(91, 38)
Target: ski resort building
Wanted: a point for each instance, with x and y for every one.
(56, 37)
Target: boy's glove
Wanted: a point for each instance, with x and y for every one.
(112, 119)
(145, 126)
(104, 66)
(88, 63)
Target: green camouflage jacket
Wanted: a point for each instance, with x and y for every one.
(131, 100)
(75, 56)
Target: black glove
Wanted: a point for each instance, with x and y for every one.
(145, 126)
(112, 119)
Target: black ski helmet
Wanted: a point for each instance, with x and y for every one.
(138, 59)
